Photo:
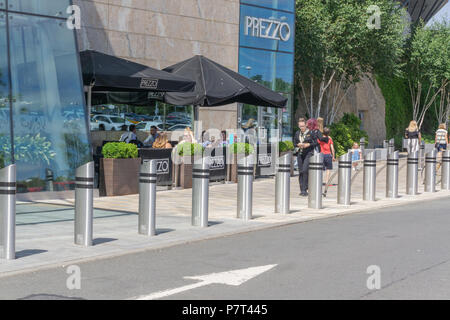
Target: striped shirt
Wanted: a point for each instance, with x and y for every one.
(441, 136)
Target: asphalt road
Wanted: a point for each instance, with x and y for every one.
(322, 259)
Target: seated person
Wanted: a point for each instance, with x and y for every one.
(129, 136)
(162, 142)
(152, 136)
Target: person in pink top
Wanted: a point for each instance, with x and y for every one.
(327, 149)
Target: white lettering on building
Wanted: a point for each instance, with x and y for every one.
(267, 29)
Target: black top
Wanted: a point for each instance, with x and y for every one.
(312, 138)
(411, 135)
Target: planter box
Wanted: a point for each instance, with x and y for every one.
(186, 172)
(119, 177)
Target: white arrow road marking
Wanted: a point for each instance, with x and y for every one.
(230, 278)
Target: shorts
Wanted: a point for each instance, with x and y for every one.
(327, 162)
(441, 147)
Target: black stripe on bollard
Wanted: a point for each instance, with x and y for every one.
(284, 165)
(284, 170)
(8, 184)
(84, 186)
(245, 168)
(146, 181)
(81, 179)
(196, 176)
(148, 175)
(345, 162)
(345, 167)
(370, 165)
(200, 170)
(245, 173)
(10, 192)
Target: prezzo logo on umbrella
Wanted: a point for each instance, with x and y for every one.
(217, 163)
(267, 28)
(162, 166)
(147, 83)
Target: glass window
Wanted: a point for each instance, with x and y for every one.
(56, 8)
(5, 120)
(266, 29)
(288, 5)
(48, 107)
(2, 4)
(271, 69)
(286, 119)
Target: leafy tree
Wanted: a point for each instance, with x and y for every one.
(427, 68)
(336, 45)
(345, 132)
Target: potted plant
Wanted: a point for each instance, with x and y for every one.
(119, 169)
(284, 149)
(238, 150)
(187, 151)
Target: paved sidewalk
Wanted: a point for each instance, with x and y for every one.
(49, 244)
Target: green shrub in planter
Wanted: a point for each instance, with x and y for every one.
(120, 150)
(242, 148)
(189, 149)
(285, 146)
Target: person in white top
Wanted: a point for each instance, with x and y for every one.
(441, 142)
(129, 136)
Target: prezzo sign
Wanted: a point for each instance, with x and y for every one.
(217, 163)
(267, 28)
(147, 83)
(162, 166)
(264, 160)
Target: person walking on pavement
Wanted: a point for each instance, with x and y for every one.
(414, 137)
(441, 142)
(307, 141)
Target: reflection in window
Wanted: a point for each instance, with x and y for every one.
(5, 130)
(273, 70)
(50, 134)
(54, 8)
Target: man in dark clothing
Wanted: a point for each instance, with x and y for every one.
(307, 141)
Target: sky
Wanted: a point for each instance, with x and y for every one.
(444, 12)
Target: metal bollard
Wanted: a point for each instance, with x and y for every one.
(84, 204)
(283, 184)
(200, 192)
(392, 175)
(49, 179)
(369, 178)
(8, 212)
(147, 198)
(385, 144)
(245, 187)
(445, 170)
(362, 145)
(315, 179)
(391, 146)
(345, 179)
(430, 171)
(412, 176)
(422, 154)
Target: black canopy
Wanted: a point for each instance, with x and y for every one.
(218, 85)
(109, 73)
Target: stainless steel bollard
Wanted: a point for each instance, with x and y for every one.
(430, 171)
(391, 146)
(369, 178)
(200, 192)
(8, 212)
(84, 204)
(422, 154)
(445, 170)
(315, 180)
(362, 145)
(49, 178)
(245, 187)
(283, 184)
(147, 198)
(392, 175)
(345, 179)
(412, 175)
